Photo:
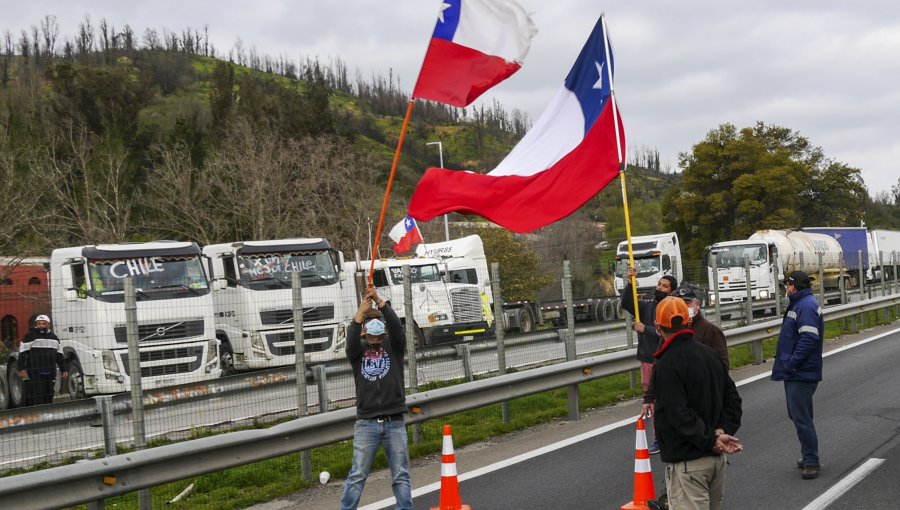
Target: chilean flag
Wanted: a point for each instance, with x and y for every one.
(476, 44)
(569, 155)
(405, 234)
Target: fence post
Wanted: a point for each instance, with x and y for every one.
(820, 255)
(862, 287)
(134, 368)
(498, 331)
(629, 337)
(748, 308)
(779, 292)
(464, 352)
(715, 279)
(885, 312)
(842, 287)
(108, 422)
(321, 379)
(300, 366)
(411, 342)
(571, 353)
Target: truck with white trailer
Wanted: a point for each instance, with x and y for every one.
(254, 302)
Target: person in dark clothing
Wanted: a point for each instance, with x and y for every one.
(377, 362)
(705, 331)
(697, 412)
(798, 362)
(40, 354)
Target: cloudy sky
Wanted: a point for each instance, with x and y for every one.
(828, 69)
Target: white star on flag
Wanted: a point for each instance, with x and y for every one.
(444, 7)
(599, 84)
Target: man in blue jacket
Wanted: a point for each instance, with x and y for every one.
(798, 362)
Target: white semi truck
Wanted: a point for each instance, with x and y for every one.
(655, 256)
(254, 307)
(773, 254)
(174, 311)
(442, 311)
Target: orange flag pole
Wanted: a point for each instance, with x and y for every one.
(387, 191)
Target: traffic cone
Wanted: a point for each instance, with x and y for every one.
(450, 499)
(643, 475)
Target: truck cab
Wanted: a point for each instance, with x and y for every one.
(174, 308)
(254, 307)
(655, 256)
(731, 274)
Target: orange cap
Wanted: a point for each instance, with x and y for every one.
(672, 313)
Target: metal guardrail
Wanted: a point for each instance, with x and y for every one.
(96, 479)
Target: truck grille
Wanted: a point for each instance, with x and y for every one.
(162, 331)
(180, 353)
(316, 340)
(286, 316)
(466, 305)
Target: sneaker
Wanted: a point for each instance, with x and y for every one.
(810, 472)
(800, 464)
(654, 448)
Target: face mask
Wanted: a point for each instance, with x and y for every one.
(691, 312)
(660, 295)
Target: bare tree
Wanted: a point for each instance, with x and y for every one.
(49, 32)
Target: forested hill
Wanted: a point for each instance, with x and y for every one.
(112, 137)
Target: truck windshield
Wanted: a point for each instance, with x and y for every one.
(154, 277)
(417, 274)
(733, 256)
(645, 266)
(268, 271)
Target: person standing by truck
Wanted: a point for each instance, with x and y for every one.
(648, 340)
(39, 356)
(377, 362)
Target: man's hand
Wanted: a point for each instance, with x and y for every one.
(364, 306)
(639, 327)
(647, 410)
(65, 375)
(632, 272)
(726, 444)
(372, 294)
(23, 374)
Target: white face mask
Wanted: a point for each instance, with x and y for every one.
(691, 312)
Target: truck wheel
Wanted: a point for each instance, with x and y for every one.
(4, 393)
(15, 384)
(76, 379)
(226, 358)
(420, 336)
(609, 311)
(526, 321)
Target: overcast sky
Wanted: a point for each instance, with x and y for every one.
(828, 69)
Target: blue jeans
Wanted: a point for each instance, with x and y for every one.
(799, 396)
(368, 435)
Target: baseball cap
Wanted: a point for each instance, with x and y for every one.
(672, 313)
(42, 318)
(375, 327)
(687, 292)
(799, 279)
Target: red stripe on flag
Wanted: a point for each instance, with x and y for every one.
(457, 75)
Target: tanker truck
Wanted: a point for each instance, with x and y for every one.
(773, 254)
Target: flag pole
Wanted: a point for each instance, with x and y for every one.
(387, 191)
(622, 165)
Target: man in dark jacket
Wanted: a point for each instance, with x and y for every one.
(798, 362)
(698, 410)
(648, 340)
(705, 331)
(377, 362)
(39, 356)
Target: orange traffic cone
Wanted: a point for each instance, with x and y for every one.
(450, 499)
(643, 475)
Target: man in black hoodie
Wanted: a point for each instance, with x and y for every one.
(39, 356)
(377, 362)
(697, 411)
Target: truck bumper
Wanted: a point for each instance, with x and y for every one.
(459, 332)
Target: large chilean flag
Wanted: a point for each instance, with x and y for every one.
(476, 44)
(568, 156)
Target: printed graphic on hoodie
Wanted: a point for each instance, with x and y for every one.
(375, 364)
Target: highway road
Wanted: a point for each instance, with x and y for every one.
(857, 416)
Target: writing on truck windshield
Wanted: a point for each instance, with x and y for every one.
(417, 274)
(733, 256)
(267, 271)
(645, 266)
(154, 277)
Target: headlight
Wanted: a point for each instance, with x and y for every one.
(256, 341)
(212, 351)
(341, 332)
(437, 316)
(109, 361)
(763, 294)
(712, 298)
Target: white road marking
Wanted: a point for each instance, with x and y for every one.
(847, 483)
(587, 435)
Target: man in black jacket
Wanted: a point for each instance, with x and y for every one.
(377, 362)
(697, 411)
(39, 356)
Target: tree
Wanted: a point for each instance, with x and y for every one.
(837, 196)
(521, 275)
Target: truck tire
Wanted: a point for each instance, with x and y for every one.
(526, 321)
(597, 315)
(15, 386)
(4, 391)
(609, 311)
(75, 385)
(421, 339)
(226, 357)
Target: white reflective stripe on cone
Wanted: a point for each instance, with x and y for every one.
(641, 440)
(448, 446)
(642, 466)
(450, 469)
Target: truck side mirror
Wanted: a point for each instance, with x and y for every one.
(218, 284)
(71, 295)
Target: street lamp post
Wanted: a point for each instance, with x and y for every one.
(441, 155)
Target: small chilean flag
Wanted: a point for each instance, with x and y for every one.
(476, 44)
(405, 234)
